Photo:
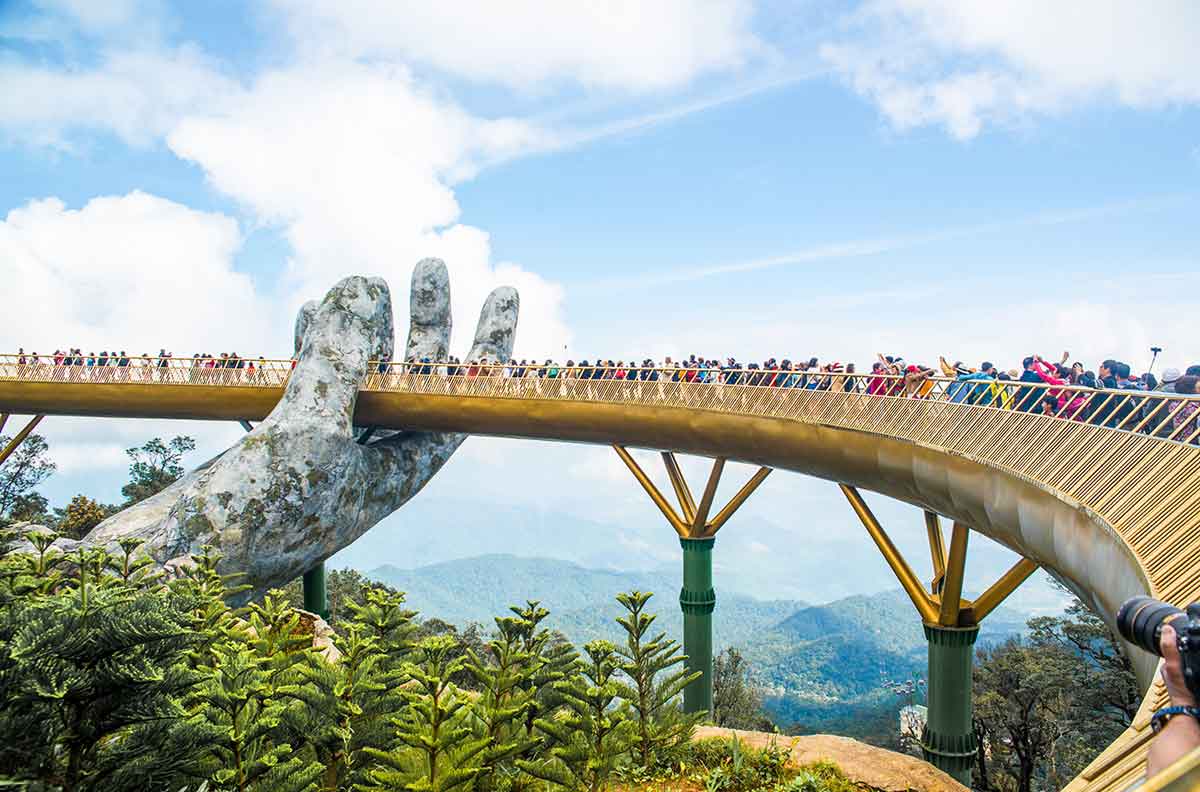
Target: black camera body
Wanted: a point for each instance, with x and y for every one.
(1140, 621)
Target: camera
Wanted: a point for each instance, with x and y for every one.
(1140, 622)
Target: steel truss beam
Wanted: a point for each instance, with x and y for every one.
(691, 521)
(20, 438)
(942, 605)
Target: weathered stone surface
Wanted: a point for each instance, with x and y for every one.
(873, 768)
(298, 488)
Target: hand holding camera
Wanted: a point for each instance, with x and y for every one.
(1174, 635)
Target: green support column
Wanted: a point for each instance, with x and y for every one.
(697, 601)
(948, 739)
(315, 599)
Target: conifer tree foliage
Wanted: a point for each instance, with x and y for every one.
(592, 734)
(552, 659)
(657, 679)
(91, 680)
(114, 676)
(506, 695)
(343, 708)
(240, 700)
(441, 752)
(383, 615)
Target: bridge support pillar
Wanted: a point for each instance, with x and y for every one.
(697, 533)
(316, 599)
(948, 738)
(697, 600)
(951, 626)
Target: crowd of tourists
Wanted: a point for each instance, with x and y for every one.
(1110, 395)
(75, 358)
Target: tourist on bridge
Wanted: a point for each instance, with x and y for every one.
(1027, 398)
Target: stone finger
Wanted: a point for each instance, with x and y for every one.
(497, 328)
(303, 318)
(429, 312)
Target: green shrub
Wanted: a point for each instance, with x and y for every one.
(821, 777)
(726, 765)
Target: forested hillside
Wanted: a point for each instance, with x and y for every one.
(819, 666)
(474, 589)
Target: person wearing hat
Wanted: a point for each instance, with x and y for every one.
(970, 386)
(1167, 383)
(917, 382)
(1156, 420)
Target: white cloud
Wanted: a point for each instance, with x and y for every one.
(966, 63)
(137, 94)
(621, 44)
(355, 162)
(135, 271)
(111, 16)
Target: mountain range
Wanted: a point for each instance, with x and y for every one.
(814, 663)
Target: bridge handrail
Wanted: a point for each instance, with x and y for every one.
(1168, 416)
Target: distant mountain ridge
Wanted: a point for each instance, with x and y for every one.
(582, 601)
(815, 662)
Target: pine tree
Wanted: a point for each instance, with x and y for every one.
(278, 637)
(211, 618)
(132, 567)
(39, 572)
(239, 699)
(439, 751)
(505, 696)
(93, 682)
(656, 683)
(342, 708)
(592, 735)
(383, 615)
(552, 659)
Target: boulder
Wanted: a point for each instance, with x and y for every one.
(875, 769)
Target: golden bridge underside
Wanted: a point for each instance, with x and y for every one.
(1110, 513)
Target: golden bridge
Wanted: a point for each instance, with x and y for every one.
(1110, 510)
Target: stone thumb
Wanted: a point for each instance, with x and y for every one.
(338, 340)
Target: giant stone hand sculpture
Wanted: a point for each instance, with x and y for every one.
(298, 488)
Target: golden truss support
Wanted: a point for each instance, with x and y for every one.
(986, 602)
(684, 495)
(942, 605)
(651, 490)
(3, 420)
(937, 550)
(924, 603)
(692, 521)
(20, 438)
(956, 567)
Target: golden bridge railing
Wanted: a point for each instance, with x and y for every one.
(1167, 416)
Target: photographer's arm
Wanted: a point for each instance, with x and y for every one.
(1181, 734)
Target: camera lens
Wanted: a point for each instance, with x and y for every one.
(1140, 621)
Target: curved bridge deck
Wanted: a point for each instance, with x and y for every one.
(1110, 512)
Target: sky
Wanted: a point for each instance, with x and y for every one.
(751, 178)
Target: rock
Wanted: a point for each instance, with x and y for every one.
(876, 769)
(322, 635)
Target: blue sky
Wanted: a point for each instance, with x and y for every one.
(727, 178)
